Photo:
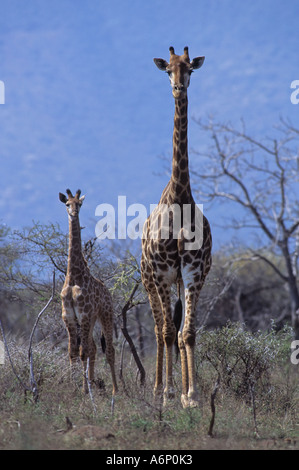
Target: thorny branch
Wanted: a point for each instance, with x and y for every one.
(129, 304)
(26, 389)
(213, 408)
(33, 383)
(262, 178)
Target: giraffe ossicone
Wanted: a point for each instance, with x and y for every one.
(168, 261)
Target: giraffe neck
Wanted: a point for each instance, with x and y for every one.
(76, 262)
(180, 190)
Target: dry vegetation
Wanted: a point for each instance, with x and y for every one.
(250, 295)
(64, 418)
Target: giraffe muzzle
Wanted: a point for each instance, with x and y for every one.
(179, 91)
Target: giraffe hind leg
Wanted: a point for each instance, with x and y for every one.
(110, 354)
(71, 323)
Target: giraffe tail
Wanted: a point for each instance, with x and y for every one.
(177, 319)
(103, 343)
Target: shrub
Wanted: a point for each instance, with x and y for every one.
(243, 360)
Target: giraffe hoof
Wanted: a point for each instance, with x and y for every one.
(185, 401)
(189, 402)
(193, 403)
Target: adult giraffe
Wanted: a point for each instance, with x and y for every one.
(176, 258)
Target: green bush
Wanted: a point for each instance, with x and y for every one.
(243, 360)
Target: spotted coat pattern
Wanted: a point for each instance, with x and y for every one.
(85, 300)
(166, 261)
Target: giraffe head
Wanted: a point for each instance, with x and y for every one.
(73, 203)
(179, 70)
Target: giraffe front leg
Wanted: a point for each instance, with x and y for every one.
(169, 334)
(87, 351)
(184, 367)
(188, 338)
(193, 281)
(169, 339)
(158, 319)
(73, 329)
(73, 334)
(158, 388)
(193, 398)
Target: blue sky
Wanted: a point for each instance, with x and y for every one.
(85, 106)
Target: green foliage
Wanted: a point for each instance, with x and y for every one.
(128, 273)
(125, 279)
(243, 359)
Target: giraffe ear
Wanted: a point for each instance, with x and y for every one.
(81, 199)
(161, 64)
(63, 198)
(197, 62)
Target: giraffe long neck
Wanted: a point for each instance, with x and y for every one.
(180, 189)
(76, 261)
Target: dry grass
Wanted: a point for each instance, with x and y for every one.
(64, 418)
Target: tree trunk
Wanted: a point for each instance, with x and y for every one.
(293, 288)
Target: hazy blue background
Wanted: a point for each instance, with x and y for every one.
(85, 106)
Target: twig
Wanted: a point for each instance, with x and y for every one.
(122, 363)
(26, 389)
(213, 408)
(216, 298)
(33, 383)
(112, 405)
(239, 307)
(128, 337)
(252, 394)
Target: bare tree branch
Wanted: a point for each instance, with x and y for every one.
(26, 389)
(213, 408)
(124, 329)
(34, 387)
(262, 178)
(257, 255)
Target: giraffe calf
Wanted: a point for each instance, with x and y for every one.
(85, 300)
